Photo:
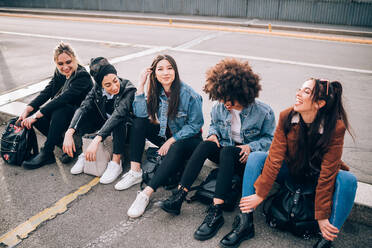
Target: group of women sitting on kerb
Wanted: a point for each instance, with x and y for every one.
(305, 145)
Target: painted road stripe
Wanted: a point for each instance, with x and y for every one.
(274, 60)
(197, 26)
(15, 236)
(74, 39)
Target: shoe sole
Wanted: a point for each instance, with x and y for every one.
(174, 212)
(121, 188)
(34, 168)
(251, 235)
(202, 238)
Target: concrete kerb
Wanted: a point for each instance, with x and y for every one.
(361, 212)
(194, 20)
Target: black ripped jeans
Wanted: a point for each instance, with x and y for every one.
(181, 150)
(228, 159)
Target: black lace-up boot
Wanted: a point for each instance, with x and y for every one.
(323, 243)
(174, 202)
(243, 229)
(211, 224)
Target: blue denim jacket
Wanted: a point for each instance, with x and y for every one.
(189, 119)
(257, 125)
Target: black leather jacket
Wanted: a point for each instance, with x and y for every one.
(95, 102)
(78, 85)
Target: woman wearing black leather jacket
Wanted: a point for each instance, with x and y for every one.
(65, 92)
(106, 109)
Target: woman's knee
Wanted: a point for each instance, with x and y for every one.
(346, 180)
(256, 160)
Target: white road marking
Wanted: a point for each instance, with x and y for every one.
(199, 40)
(280, 61)
(75, 39)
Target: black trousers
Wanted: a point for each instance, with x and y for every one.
(228, 159)
(93, 121)
(181, 150)
(54, 126)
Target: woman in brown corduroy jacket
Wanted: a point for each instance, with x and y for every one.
(307, 148)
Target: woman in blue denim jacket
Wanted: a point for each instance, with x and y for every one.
(170, 117)
(240, 124)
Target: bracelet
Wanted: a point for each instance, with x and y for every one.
(34, 116)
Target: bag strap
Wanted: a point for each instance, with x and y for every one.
(33, 141)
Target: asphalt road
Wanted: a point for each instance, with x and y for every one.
(98, 218)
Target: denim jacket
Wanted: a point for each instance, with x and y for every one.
(189, 119)
(257, 125)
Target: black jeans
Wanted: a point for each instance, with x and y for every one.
(179, 152)
(93, 121)
(54, 126)
(228, 159)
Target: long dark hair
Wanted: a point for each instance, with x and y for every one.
(155, 89)
(310, 145)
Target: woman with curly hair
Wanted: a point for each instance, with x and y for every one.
(171, 117)
(307, 150)
(240, 124)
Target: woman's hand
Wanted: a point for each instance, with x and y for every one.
(248, 203)
(214, 139)
(328, 230)
(143, 78)
(90, 153)
(28, 122)
(244, 153)
(163, 150)
(68, 143)
(25, 113)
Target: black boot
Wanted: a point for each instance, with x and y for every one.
(211, 224)
(323, 243)
(243, 229)
(43, 158)
(66, 159)
(174, 202)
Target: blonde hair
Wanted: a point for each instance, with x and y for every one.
(64, 48)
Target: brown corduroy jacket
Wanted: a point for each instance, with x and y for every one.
(331, 164)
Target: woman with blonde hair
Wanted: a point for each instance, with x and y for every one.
(66, 90)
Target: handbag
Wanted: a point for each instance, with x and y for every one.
(18, 143)
(151, 164)
(103, 155)
(292, 209)
(205, 191)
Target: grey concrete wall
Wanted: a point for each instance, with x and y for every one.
(345, 12)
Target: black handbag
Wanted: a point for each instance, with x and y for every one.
(292, 209)
(17, 143)
(151, 164)
(205, 191)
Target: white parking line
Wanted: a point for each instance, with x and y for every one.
(280, 61)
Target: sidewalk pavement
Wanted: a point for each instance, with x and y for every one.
(205, 20)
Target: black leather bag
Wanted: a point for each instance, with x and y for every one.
(152, 163)
(292, 209)
(205, 191)
(18, 144)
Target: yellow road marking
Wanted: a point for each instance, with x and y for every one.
(196, 26)
(15, 236)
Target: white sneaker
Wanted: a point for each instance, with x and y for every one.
(129, 179)
(139, 205)
(79, 165)
(112, 172)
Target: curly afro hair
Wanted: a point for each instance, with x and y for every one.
(232, 80)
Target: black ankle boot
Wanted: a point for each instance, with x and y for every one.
(211, 224)
(323, 243)
(174, 202)
(243, 229)
(43, 158)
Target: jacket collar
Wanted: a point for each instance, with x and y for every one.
(296, 120)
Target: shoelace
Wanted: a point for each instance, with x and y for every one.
(211, 216)
(235, 224)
